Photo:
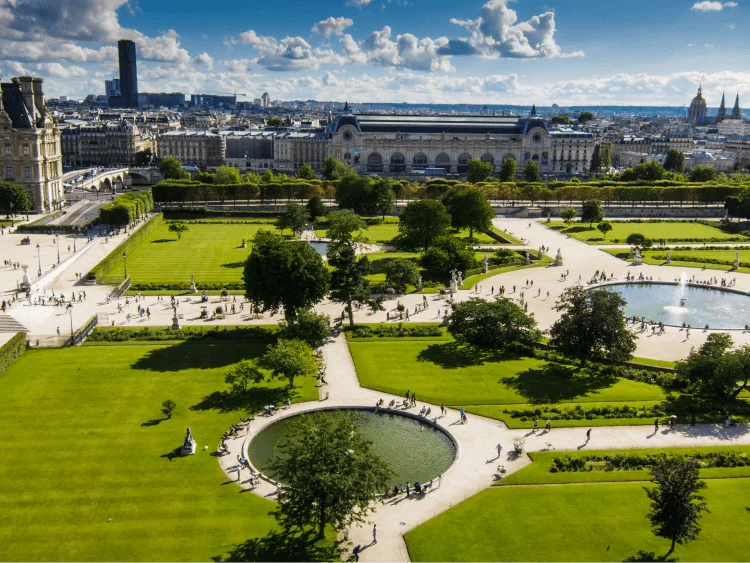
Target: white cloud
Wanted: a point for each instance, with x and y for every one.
(358, 3)
(16, 69)
(713, 6)
(205, 59)
(332, 26)
(238, 65)
(60, 71)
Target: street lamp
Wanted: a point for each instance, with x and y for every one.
(74, 242)
(70, 312)
(12, 221)
(57, 240)
(125, 261)
(39, 256)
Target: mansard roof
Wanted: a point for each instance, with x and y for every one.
(430, 124)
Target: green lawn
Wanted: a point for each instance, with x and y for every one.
(583, 522)
(443, 372)
(84, 442)
(695, 258)
(212, 252)
(677, 231)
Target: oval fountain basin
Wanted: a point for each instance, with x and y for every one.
(659, 302)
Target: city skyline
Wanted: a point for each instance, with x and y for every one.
(496, 52)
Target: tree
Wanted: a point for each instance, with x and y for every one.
(349, 284)
(316, 208)
(606, 157)
(171, 169)
(242, 376)
(290, 359)
(497, 324)
(333, 169)
(448, 253)
(384, 196)
(274, 122)
(568, 214)
(401, 272)
(592, 212)
(676, 506)
(531, 172)
(178, 227)
(168, 407)
(715, 370)
(508, 170)
(310, 327)
(422, 222)
(636, 239)
(596, 160)
(592, 326)
(358, 194)
(675, 161)
(284, 274)
(585, 116)
(331, 474)
(701, 174)
(14, 199)
(604, 228)
(296, 218)
(480, 171)
(561, 120)
(306, 172)
(469, 209)
(346, 227)
(226, 175)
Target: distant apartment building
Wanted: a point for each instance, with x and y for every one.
(265, 100)
(161, 99)
(295, 148)
(30, 147)
(104, 144)
(213, 101)
(206, 150)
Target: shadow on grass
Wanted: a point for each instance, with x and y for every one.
(554, 383)
(234, 265)
(280, 546)
(174, 454)
(204, 354)
(455, 356)
(252, 401)
(154, 422)
(648, 557)
(163, 240)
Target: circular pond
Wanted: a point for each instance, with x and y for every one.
(677, 304)
(414, 450)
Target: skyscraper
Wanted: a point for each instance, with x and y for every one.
(128, 74)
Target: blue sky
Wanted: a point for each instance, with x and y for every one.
(569, 52)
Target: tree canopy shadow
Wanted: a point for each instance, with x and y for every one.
(555, 383)
(455, 356)
(163, 240)
(202, 354)
(154, 422)
(280, 546)
(252, 401)
(648, 557)
(233, 265)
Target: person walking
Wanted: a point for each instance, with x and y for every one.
(442, 411)
(549, 425)
(588, 434)
(656, 426)
(374, 533)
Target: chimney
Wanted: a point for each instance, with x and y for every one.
(38, 95)
(27, 92)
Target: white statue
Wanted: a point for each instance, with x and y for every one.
(192, 288)
(669, 257)
(485, 264)
(559, 258)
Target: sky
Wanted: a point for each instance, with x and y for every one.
(568, 52)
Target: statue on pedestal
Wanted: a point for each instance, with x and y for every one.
(175, 318)
(244, 244)
(540, 254)
(460, 279)
(192, 288)
(559, 258)
(188, 447)
(26, 281)
(485, 264)
(669, 257)
(454, 280)
(419, 284)
(638, 259)
(737, 261)
(528, 259)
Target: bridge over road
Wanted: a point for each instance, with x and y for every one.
(108, 180)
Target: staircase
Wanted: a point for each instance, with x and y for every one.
(9, 324)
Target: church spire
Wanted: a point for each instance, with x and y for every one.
(722, 115)
(736, 112)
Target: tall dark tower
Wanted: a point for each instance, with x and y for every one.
(722, 115)
(736, 112)
(128, 74)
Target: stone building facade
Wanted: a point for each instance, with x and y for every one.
(295, 148)
(30, 145)
(206, 150)
(105, 144)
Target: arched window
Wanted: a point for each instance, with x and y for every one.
(420, 159)
(443, 161)
(463, 163)
(487, 157)
(398, 162)
(375, 162)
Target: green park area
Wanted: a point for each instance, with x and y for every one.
(499, 385)
(90, 471)
(709, 258)
(668, 231)
(583, 520)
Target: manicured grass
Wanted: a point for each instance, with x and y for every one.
(586, 522)
(697, 258)
(381, 234)
(446, 373)
(473, 280)
(84, 442)
(212, 252)
(669, 231)
(656, 363)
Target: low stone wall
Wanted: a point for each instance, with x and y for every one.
(648, 212)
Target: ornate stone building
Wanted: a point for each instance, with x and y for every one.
(411, 145)
(294, 148)
(207, 150)
(30, 147)
(105, 144)
(698, 107)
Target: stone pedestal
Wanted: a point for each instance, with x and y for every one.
(559, 258)
(454, 286)
(26, 280)
(188, 446)
(638, 259)
(192, 288)
(175, 321)
(737, 261)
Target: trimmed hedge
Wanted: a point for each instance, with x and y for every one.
(146, 334)
(102, 269)
(390, 331)
(126, 209)
(12, 350)
(637, 462)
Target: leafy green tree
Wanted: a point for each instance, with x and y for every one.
(384, 195)
(226, 175)
(508, 170)
(242, 376)
(701, 174)
(274, 122)
(349, 283)
(676, 506)
(592, 212)
(290, 359)
(358, 194)
(675, 161)
(568, 214)
(585, 116)
(178, 227)
(604, 228)
(331, 474)
(168, 407)
(268, 177)
(401, 272)
(333, 169)
(310, 327)
(316, 208)
(715, 370)
(171, 169)
(480, 171)
(596, 160)
(14, 198)
(592, 326)
(306, 172)
(636, 239)
(296, 218)
(422, 222)
(346, 227)
(205, 177)
(606, 157)
(447, 253)
(497, 324)
(561, 120)
(532, 172)
(469, 209)
(284, 274)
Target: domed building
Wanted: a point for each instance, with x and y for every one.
(698, 107)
